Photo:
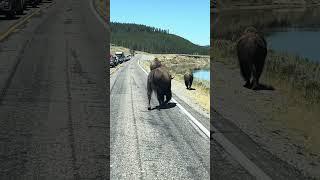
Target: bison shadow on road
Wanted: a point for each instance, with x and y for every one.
(166, 106)
(191, 89)
(262, 87)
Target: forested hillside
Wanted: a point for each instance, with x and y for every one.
(152, 40)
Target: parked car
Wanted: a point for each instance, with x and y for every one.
(10, 8)
(128, 57)
(116, 60)
(113, 61)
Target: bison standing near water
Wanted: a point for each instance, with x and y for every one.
(159, 80)
(252, 52)
(188, 78)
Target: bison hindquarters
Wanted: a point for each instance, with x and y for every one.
(159, 80)
(188, 78)
(252, 52)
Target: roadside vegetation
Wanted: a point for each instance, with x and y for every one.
(152, 40)
(296, 77)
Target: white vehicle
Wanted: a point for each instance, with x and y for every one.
(120, 56)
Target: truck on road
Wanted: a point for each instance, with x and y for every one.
(120, 56)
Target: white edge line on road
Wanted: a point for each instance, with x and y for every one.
(244, 161)
(193, 120)
(102, 21)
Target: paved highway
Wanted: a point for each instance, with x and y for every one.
(53, 102)
(157, 144)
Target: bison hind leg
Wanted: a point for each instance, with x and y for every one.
(190, 84)
(168, 97)
(246, 72)
(257, 71)
(186, 83)
(160, 97)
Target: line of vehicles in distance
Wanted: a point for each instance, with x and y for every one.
(10, 8)
(118, 58)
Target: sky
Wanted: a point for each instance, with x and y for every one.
(189, 19)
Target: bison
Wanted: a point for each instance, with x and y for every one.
(188, 78)
(155, 64)
(252, 52)
(159, 80)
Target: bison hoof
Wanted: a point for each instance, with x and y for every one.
(247, 85)
(149, 108)
(255, 86)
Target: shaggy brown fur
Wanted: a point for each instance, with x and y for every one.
(252, 52)
(159, 80)
(188, 78)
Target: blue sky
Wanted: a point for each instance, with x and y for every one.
(189, 19)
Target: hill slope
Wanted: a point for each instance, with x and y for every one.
(152, 40)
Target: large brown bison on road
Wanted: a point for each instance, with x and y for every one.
(159, 80)
(252, 52)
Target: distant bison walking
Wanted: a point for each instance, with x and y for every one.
(159, 80)
(252, 52)
(188, 78)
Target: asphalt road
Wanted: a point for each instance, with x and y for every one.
(157, 144)
(53, 102)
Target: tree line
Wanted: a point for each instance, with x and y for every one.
(151, 39)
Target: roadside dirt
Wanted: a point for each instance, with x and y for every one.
(258, 114)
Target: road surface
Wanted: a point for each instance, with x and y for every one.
(157, 144)
(53, 102)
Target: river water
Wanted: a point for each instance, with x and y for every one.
(295, 31)
(202, 74)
